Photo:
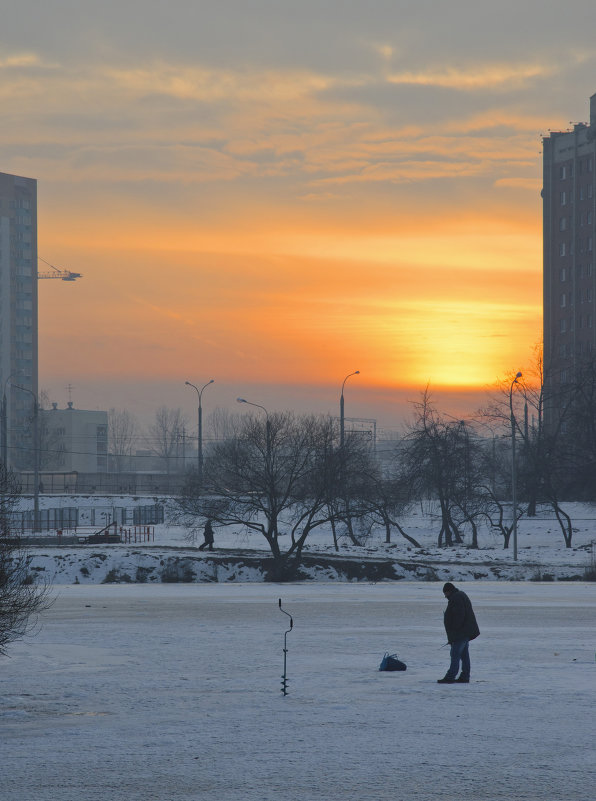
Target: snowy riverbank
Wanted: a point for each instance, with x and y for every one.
(243, 557)
(123, 564)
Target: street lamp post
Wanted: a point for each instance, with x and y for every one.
(513, 471)
(341, 408)
(200, 428)
(35, 455)
(267, 427)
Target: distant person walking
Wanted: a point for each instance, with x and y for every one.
(208, 535)
(461, 627)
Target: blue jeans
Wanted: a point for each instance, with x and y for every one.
(459, 653)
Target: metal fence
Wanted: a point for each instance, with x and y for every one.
(73, 517)
(64, 517)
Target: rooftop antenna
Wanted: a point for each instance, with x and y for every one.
(69, 389)
(284, 679)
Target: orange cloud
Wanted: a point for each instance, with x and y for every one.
(477, 76)
(289, 230)
(407, 308)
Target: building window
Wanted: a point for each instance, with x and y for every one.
(590, 190)
(563, 224)
(563, 325)
(589, 218)
(563, 275)
(563, 198)
(562, 249)
(589, 270)
(563, 172)
(590, 164)
(589, 244)
(563, 300)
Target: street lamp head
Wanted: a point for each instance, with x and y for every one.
(256, 405)
(356, 372)
(188, 384)
(517, 375)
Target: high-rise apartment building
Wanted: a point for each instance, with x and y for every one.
(18, 317)
(568, 231)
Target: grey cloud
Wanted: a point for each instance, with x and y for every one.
(320, 34)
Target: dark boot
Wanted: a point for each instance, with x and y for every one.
(446, 680)
(461, 679)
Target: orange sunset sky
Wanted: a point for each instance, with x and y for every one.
(274, 195)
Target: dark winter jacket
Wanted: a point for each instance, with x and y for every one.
(460, 621)
(208, 533)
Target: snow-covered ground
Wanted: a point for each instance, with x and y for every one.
(542, 554)
(171, 692)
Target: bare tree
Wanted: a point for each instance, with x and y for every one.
(495, 486)
(354, 486)
(223, 424)
(166, 433)
(545, 463)
(122, 433)
(274, 477)
(21, 600)
(441, 460)
(391, 497)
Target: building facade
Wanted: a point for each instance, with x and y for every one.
(18, 318)
(73, 440)
(568, 231)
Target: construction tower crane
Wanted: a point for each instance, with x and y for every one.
(65, 275)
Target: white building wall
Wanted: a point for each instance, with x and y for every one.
(74, 440)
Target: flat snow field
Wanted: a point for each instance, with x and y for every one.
(168, 692)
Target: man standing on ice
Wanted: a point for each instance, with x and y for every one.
(461, 627)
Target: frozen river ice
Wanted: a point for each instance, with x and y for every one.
(171, 692)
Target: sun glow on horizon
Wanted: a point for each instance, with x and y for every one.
(279, 219)
(288, 317)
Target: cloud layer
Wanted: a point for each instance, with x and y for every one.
(272, 191)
